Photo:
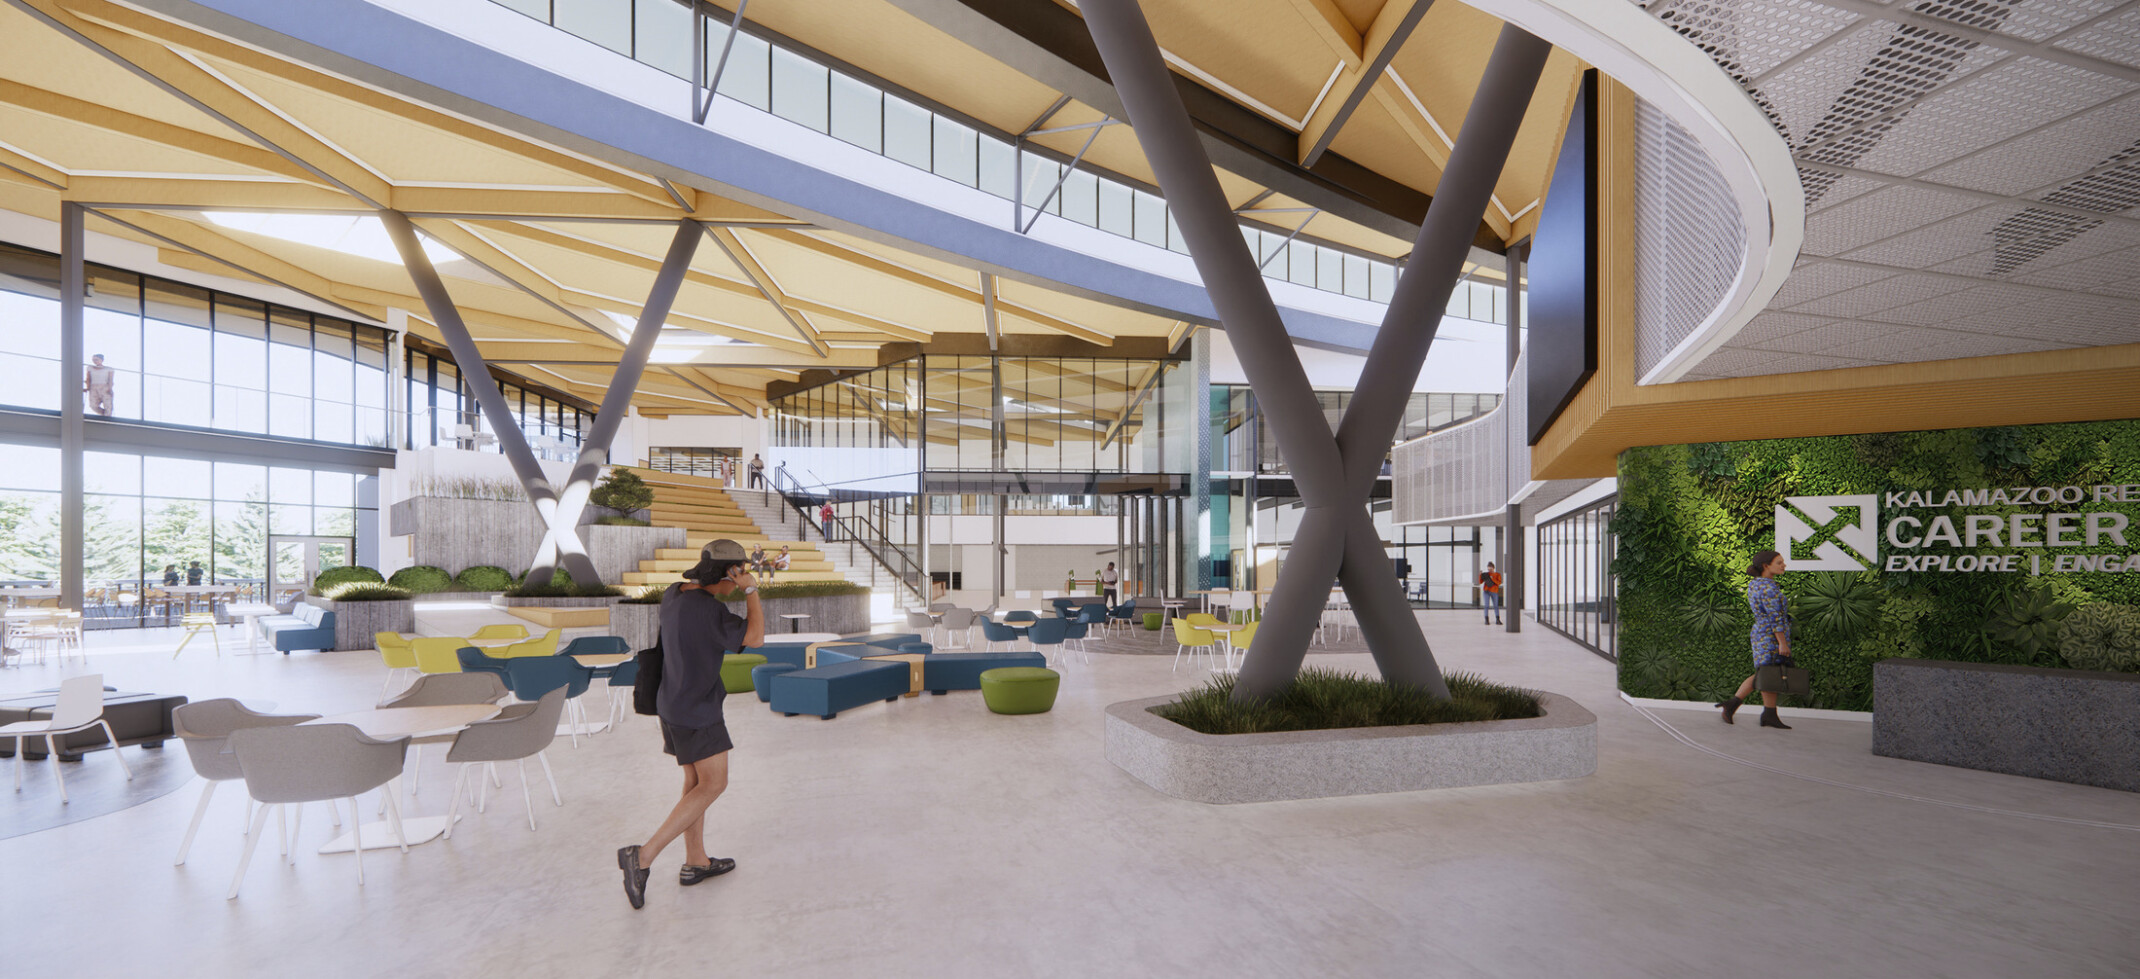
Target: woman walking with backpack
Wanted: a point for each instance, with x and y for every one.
(1771, 635)
(697, 630)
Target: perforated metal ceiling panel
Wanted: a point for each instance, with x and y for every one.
(1972, 174)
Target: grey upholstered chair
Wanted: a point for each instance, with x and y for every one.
(958, 627)
(315, 763)
(443, 690)
(521, 730)
(921, 623)
(204, 727)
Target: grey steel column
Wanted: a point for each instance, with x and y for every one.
(1400, 349)
(474, 371)
(996, 547)
(1512, 573)
(1243, 303)
(1518, 257)
(564, 536)
(73, 284)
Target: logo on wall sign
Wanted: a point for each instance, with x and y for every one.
(1843, 532)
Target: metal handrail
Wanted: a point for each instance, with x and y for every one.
(905, 571)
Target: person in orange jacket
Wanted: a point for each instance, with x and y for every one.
(1490, 581)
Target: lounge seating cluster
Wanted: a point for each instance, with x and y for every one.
(306, 627)
(827, 678)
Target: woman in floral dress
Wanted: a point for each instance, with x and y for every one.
(1771, 636)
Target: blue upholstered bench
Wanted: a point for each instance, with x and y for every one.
(761, 678)
(945, 672)
(306, 627)
(791, 653)
(833, 687)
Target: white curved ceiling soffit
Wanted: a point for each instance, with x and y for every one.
(1678, 78)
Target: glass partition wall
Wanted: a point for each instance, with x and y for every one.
(1573, 586)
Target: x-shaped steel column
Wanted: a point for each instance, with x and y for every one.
(1337, 537)
(560, 512)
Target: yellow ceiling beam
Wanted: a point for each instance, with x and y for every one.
(953, 289)
(37, 170)
(1333, 28)
(157, 29)
(225, 101)
(1181, 331)
(1389, 30)
(740, 254)
(507, 204)
(223, 252)
(185, 193)
(82, 112)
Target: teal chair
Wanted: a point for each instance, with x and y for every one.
(475, 660)
(1049, 634)
(532, 676)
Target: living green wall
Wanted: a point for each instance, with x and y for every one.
(1691, 517)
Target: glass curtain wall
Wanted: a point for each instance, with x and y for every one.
(183, 355)
(1573, 588)
(1059, 414)
(143, 515)
(776, 77)
(442, 412)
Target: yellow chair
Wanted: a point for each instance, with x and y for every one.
(397, 653)
(1202, 620)
(1187, 636)
(197, 623)
(543, 645)
(438, 654)
(1241, 638)
(504, 631)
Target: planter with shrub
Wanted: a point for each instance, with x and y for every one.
(422, 579)
(832, 606)
(363, 607)
(1332, 734)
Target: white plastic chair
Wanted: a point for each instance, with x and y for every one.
(80, 707)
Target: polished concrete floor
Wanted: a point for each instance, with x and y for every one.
(928, 837)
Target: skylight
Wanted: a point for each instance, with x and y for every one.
(351, 234)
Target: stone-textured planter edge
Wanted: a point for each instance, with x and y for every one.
(2062, 725)
(562, 601)
(1225, 769)
(355, 623)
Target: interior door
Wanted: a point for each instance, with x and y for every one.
(294, 561)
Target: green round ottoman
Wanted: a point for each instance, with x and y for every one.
(735, 671)
(1151, 621)
(1019, 689)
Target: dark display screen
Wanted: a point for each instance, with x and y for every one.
(1564, 271)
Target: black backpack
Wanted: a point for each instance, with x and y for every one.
(647, 688)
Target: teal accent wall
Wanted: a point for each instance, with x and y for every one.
(1692, 516)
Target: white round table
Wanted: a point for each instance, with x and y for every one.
(387, 724)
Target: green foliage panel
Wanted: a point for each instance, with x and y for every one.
(1692, 516)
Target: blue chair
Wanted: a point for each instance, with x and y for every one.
(1020, 616)
(1048, 633)
(596, 646)
(1063, 606)
(532, 676)
(1122, 614)
(1074, 639)
(475, 660)
(996, 632)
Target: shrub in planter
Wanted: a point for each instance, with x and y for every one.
(649, 595)
(1321, 699)
(623, 491)
(345, 575)
(483, 577)
(2102, 636)
(614, 521)
(422, 579)
(365, 591)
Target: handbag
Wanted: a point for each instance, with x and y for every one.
(646, 688)
(1785, 678)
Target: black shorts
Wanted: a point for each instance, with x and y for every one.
(692, 744)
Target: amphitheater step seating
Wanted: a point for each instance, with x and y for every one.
(705, 511)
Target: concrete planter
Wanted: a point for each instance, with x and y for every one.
(843, 614)
(355, 623)
(637, 625)
(457, 596)
(2063, 725)
(457, 534)
(1348, 761)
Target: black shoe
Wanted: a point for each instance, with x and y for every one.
(1731, 706)
(634, 877)
(691, 875)
(1769, 719)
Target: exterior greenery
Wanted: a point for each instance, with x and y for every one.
(331, 577)
(483, 577)
(1692, 516)
(422, 579)
(1321, 699)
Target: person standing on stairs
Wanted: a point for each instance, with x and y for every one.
(757, 471)
(824, 516)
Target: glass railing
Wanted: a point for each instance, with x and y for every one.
(795, 86)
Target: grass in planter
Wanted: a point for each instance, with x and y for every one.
(1322, 699)
(483, 577)
(616, 521)
(649, 595)
(365, 591)
(566, 590)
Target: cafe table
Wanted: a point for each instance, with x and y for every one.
(388, 724)
(252, 614)
(1225, 631)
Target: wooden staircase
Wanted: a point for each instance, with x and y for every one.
(702, 507)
